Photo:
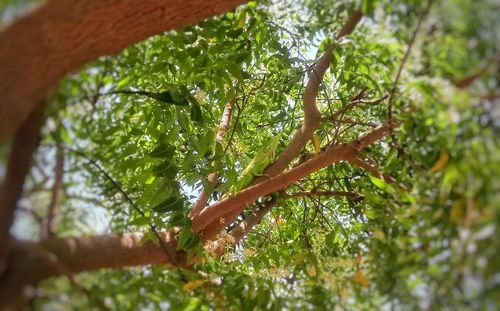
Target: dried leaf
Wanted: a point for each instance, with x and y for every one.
(444, 157)
(191, 285)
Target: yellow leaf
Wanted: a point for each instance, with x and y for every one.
(476, 206)
(357, 261)
(311, 270)
(241, 20)
(361, 278)
(444, 157)
(473, 213)
(279, 221)
(316, 143)
(379, 234)
(189, 286)
(457, 212)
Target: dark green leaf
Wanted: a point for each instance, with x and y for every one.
(179, 220)
(163, 151)
(187, 239)
(169, 205)
(196, 113)
(166, 169)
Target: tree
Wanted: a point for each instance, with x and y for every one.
(154, 183)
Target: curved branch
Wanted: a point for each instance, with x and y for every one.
(218, 215)
(312, 116)
(312, 120)
(61, 36)
(117, 251)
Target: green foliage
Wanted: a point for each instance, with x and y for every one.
(149, 117)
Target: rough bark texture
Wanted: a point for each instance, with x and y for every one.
(18, 165)
(61, 36)
(118, 251)
(77, 255)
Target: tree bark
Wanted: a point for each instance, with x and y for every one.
(312, 120)
(61, 36)
(73, 255)
(18, 165)
(217, 212)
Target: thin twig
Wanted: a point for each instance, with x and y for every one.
(404, 60)
(53, 209)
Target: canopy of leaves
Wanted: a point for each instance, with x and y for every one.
(144, 122)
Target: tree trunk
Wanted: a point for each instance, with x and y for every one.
(18, 165)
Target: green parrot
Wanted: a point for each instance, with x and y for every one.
(256, 167)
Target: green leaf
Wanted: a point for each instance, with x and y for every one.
(196, 113)
(368, 7)
(166, 169)
(173, 96)
(187, 239)
(64, 135)
(180, 220)
(169, 205)
(381, 184)
(163, 151)
(140, 221)
(192, 304)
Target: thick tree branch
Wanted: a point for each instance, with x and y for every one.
(312, 116)
(219, 247)
(80, 254)
(18, 165)
(312, 120)
(218, 212)
(61, 36)
(118, 251)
